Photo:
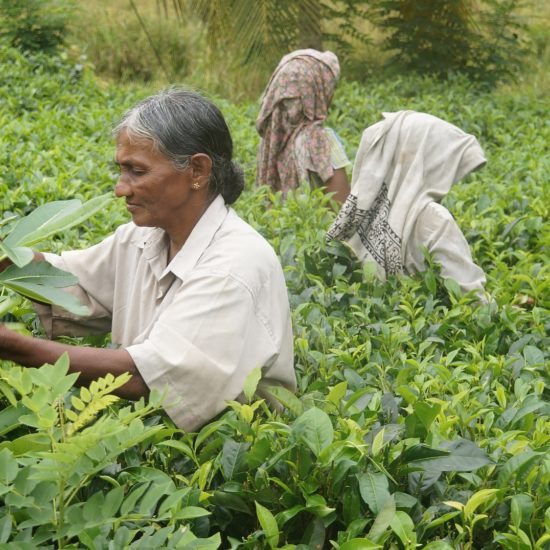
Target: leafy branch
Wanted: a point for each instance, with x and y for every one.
(41, 281)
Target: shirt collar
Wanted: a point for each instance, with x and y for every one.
(151, 240)
(201, 236)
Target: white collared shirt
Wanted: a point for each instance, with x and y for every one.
(195, 328)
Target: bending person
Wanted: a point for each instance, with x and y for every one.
(405, 165)
(195, 297)
(295, 145)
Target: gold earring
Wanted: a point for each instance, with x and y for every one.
(195, 186)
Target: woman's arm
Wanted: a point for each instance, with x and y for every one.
(338, 184)
(91, 363)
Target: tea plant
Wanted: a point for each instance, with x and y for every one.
(62, 478)
(39, 280)
(421, 417)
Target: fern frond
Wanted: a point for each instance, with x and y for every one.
(93, 400)
(91, 411)
(259, 27)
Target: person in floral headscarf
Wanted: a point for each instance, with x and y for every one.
(295, 145)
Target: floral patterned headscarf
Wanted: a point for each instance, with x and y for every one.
(295, 102)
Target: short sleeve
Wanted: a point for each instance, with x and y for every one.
(203, 346)
(338, 157)
(94, 269)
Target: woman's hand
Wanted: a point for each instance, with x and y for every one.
(4, 264)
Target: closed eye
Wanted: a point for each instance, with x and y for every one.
(132, 169)
(137, 171)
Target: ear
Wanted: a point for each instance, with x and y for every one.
(201, 166)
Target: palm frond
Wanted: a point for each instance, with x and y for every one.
(259, 27)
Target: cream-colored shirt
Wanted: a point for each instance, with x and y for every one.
(195, 328)
(437, 231)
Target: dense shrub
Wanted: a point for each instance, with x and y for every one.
(421, 419)
(479, 39)
(35, 25)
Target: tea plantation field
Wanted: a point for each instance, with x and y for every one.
(421, 419)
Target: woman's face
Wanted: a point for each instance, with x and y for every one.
(157, 193)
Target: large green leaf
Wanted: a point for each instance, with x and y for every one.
(464, 456)
(521, 509)
(314, 428)
(251, 383)
(38, 273)
(438, 545)
(40, 281)
(286, 398)
(39, 219)
(314, 534)
(233, 461)
(402, 525)
(382, 520)
(420, 452)
(269, 525)
(192, 512)
(419, 422)
(519, 465)
(231, 501)
(187, 540)
(6, 524)
(476, 500)
(374, 489)
(19, 255)
(48, 295)
(51, 218)
(8, 466)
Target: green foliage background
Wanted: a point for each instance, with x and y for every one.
(420, 417)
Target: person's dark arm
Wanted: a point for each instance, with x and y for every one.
(91, 363)
(338, 184)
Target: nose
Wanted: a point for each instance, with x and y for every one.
(122, 187)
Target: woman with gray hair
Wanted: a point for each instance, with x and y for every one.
(194, 297)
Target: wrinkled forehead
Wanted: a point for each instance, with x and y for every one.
(132, 148)
(128, 137)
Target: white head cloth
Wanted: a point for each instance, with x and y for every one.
(404, 162)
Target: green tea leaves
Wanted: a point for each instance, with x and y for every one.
(269, 525)
(314, 428)
(52, 218)
(374, 489)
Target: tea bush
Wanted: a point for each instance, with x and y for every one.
(35, 25)
(421, 418)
